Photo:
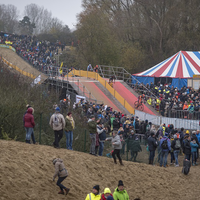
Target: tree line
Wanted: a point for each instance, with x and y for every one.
(137, 34)
(37, 21)
(134, 34)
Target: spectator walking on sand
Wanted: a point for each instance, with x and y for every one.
(92, 130)
(117, 145)
(57, 122)
(165, 145)
(29, 125)
(94, 195)
(106, 194)
(62, 174)
(120, 193)
(69, 127)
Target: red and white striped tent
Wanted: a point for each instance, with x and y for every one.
(179, 67)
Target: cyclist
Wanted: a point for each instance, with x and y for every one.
(140, 97)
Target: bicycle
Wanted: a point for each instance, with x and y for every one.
(138, 105)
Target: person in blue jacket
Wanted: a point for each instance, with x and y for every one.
(194, 147)
(165, 146)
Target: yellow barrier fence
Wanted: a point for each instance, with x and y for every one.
(96, 76)
(18, 69)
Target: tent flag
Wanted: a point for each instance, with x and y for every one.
(61, 70)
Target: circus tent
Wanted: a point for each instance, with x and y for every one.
(177, 69)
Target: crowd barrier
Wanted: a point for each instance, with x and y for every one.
(178, 123)
(14, 66)
(8, 47)
(97, 77)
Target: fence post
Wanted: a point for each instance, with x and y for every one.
(78, 86)
(40, 128)
(83, 90)
(127, 149)
(85, 142)
(89, 96)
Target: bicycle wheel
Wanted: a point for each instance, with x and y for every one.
(141, 107)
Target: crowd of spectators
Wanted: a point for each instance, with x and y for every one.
(170, 101)
(42, 55)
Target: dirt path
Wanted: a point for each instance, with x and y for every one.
(13, 58)
(26, 173)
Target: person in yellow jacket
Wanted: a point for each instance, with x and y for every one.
(149, 101)
(94, 195)
(120, 193)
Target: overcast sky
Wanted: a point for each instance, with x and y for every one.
(64, 10)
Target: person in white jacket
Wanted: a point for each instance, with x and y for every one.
(117, 146)
(57, 122)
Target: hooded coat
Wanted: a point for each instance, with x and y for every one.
(117, 142)
(29, 119)
(60, 169)
(121, 195)
(92, 125)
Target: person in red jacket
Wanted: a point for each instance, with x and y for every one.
(106, 193)
(29, 125)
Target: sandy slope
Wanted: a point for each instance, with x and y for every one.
(16, 60)
(26, 173)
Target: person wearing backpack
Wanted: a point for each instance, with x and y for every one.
(165, 146)
(57, 122)
(176, 146)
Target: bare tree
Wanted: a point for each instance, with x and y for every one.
(9, 17)
(39, 16)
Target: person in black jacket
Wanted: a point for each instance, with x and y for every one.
(152, 143)
(176, 146)
(137, 125)
(116, 124)
(102, 136)
(186, 147)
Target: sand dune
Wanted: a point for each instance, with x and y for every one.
(26, 173)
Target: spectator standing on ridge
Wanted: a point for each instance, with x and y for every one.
(106, 194)
(94, 195)
(69, 127)
(194, 148)
(176, 146)
(62, 174)
(120, 193)
(152, 143)
(92, 130)
(29, 124)
(102, 136)
(165, 145)
(116, 144)
(187, 147)
(57, 122)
